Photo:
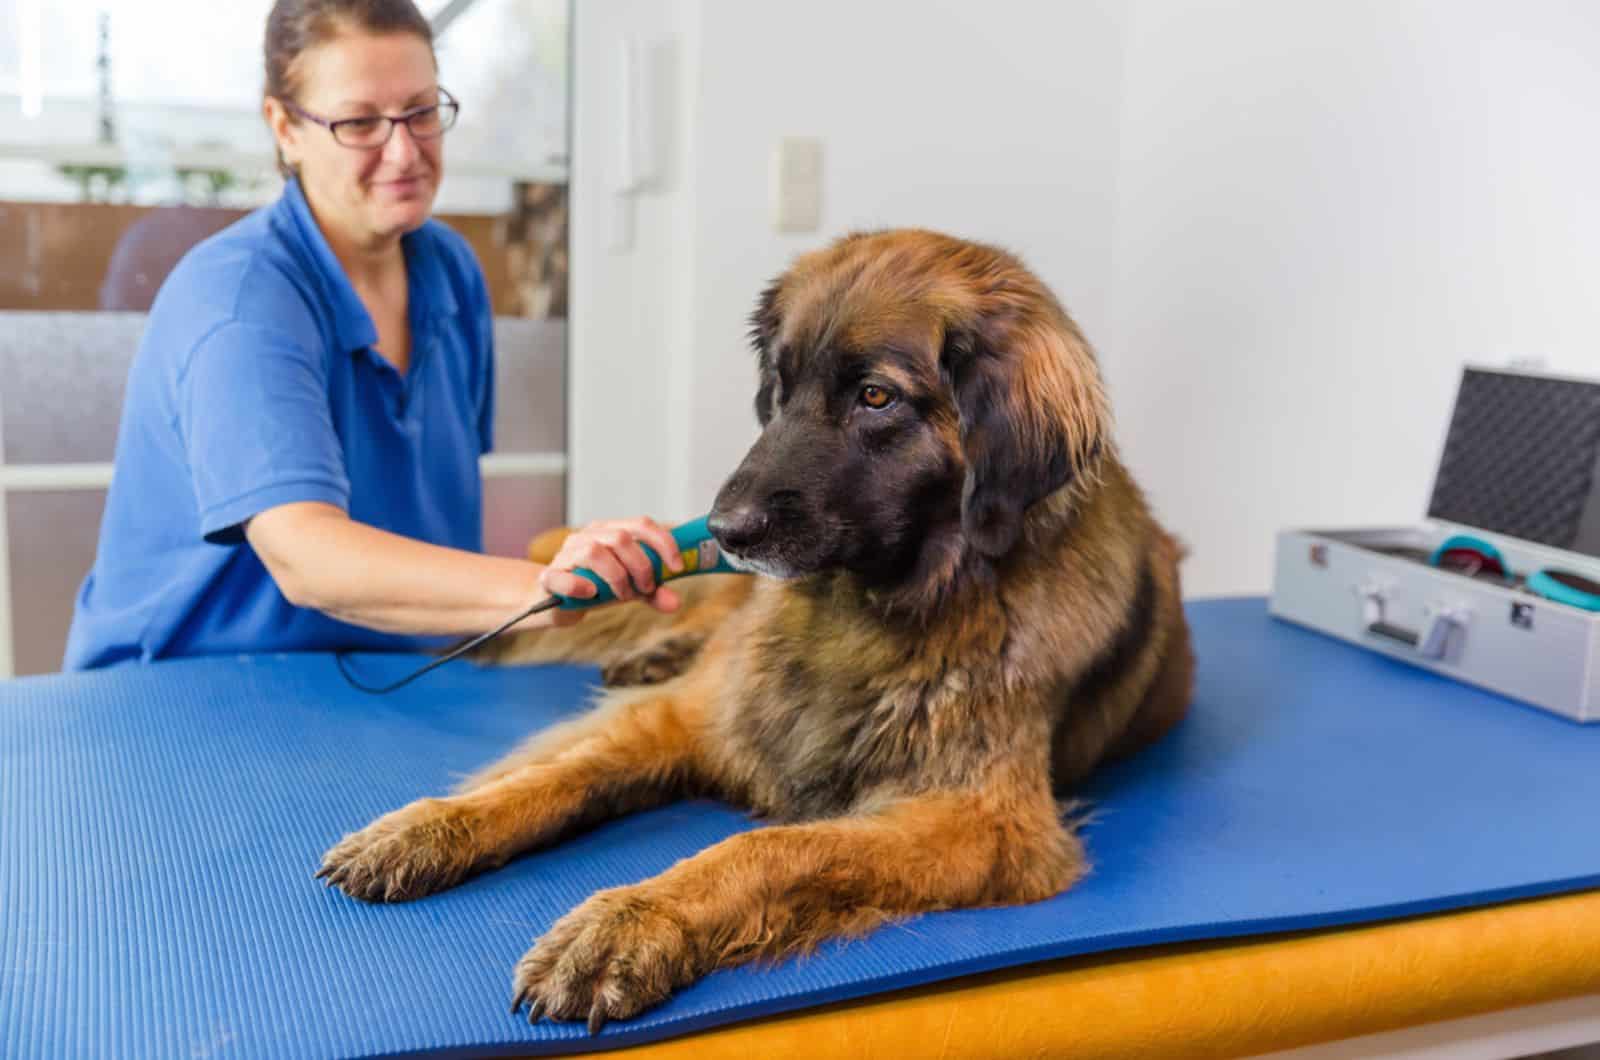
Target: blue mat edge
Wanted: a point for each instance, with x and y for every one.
(1111, 947)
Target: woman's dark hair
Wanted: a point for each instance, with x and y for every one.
(296, 25)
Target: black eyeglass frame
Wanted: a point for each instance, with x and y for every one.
(448, 108)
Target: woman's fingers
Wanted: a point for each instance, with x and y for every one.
(614, 551)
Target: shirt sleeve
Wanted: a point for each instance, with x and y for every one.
(256, 426)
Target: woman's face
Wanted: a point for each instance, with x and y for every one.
(370, 195)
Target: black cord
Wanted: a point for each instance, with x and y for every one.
(460, 648)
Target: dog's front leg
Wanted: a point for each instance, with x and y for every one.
(782, 890)
(631, 752)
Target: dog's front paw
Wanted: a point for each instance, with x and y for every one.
(413, 852)
(612, 957)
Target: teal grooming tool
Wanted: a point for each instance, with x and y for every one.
(701, 555)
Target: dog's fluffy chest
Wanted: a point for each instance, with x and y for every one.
(827, 722)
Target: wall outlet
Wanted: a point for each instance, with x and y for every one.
(797, 184)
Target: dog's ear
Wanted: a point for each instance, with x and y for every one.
(763, 332)
(1032, 412)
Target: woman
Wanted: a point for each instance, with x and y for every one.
(297, 465)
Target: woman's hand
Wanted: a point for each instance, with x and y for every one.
(611, 549)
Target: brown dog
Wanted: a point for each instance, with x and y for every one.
(966, 606)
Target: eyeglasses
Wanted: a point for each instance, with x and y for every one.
(373, 131)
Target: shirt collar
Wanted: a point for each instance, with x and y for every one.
(352, 323)
(430, 290)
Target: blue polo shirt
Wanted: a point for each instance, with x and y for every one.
(256, 385)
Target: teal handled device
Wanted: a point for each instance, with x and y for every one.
(701, 555)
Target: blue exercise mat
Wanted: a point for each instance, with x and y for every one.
(159, 827)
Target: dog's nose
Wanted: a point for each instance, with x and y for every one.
(742, 528)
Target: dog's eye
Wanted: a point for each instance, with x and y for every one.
(876, 397)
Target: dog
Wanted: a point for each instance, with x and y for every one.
(963, 605)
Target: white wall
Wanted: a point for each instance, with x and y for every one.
(994, 121)
(1283, 225)
(627, 309)
(1324, 208)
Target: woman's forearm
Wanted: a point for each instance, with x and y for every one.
(322, 559)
